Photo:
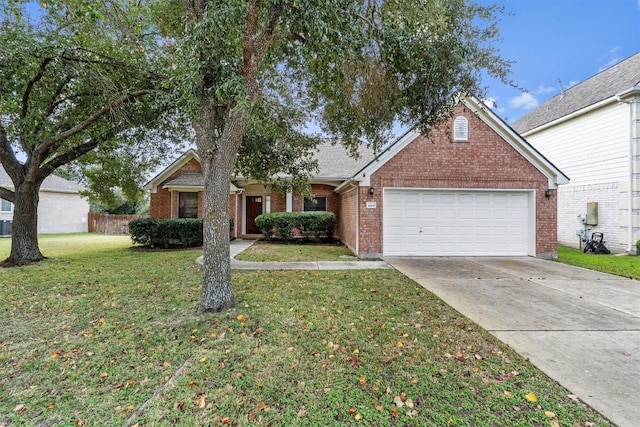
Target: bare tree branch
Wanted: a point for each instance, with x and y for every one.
(76, 152)
(41, 151)
(29, 88)
(8, 157)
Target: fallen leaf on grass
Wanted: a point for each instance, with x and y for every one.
(507, 393)
(20, 409)
(398, 401)
(394, 410)
(302, 411)
(531, 397)
(549, 414)
(104, 375)
(201, 403)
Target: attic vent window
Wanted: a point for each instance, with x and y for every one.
(461, 129)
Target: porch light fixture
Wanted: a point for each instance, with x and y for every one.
(372, 190)
(547, 193)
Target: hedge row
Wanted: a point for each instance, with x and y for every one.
(310, 225)
(168, 232)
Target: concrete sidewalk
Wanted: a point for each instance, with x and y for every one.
(580, 327)
(238, 245)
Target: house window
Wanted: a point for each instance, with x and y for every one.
(6, 206)
(460, 129)
(187, 205)
(316, 204)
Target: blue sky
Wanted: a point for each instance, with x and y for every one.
(566, 40)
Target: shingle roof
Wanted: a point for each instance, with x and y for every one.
(616, 79)
(334, 161)
(51, 183)
(187, 179)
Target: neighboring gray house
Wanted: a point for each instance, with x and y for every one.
(61, 208)
(592, 133)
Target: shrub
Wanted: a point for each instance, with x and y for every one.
(311, 225)
(166, 232)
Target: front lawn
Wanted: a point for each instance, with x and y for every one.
(294, 252)
(87, 337)
(626, 266)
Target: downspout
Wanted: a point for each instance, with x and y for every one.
(630, 189)
(630, 242)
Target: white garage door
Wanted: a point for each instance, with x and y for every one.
(456, 223)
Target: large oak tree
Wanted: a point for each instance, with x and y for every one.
(249, 72)
(80, 81)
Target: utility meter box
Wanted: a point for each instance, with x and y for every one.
(592, 213)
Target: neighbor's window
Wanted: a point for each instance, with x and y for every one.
(6, 206)
(460, 129)
(188, 205)
(316, 204)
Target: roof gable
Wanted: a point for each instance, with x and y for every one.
(152, 185)
(554, 175)
(604, 86)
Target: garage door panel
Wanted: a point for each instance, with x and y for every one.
(456, 223)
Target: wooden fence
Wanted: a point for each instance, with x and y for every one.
(111, 224)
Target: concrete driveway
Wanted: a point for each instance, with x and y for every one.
(580, 327)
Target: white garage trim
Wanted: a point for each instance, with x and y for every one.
(458, 222)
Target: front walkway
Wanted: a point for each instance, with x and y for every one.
(238, 245)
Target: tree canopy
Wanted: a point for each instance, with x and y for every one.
(250, 73)
(81, 82)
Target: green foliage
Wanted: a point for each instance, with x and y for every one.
(166, 232)
(81, 85)
(160, 232)
(310, 225)
(356, 68)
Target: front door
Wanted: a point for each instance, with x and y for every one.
(254, 208)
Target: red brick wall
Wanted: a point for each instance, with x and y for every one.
(348, 218)
(318, 190)
(161, 202)
(484, 161)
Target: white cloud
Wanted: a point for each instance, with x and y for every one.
(612, 57)
(542, 89)
(524, 100)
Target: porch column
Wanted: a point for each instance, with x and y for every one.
(289, 201)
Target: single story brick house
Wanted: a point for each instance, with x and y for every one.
(471, 187)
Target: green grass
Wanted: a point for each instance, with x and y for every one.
(88, 336)
(626, 266)
(294, 252)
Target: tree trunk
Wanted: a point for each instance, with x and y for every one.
(217, 157)
(24, 235)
